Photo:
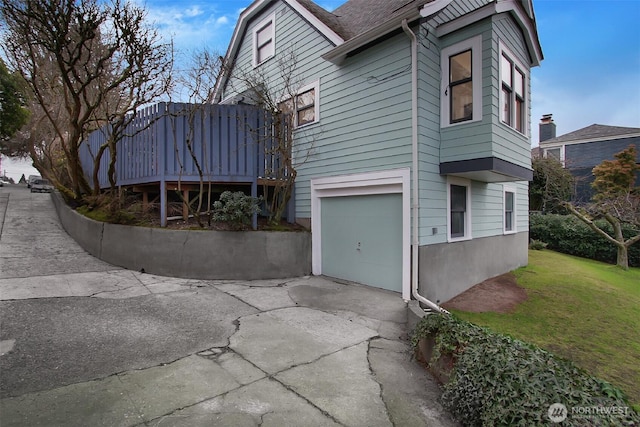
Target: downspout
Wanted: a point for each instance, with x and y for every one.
(415, 203)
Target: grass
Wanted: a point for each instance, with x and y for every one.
(583, 310)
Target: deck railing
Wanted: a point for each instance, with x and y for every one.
(166, 142)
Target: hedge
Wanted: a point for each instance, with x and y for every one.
(497, 380)
(569, 235)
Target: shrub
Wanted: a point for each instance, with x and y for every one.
(235, 208)
(498, 380)
(569, 235)
(537, 245)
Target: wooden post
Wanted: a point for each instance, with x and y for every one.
(163, 203)
(185, 204)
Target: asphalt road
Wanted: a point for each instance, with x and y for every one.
(62, 340)
(84, 343)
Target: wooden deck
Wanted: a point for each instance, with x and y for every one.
(229, 143)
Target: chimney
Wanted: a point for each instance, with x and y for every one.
(547, 128)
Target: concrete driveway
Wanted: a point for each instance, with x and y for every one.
(84, 343)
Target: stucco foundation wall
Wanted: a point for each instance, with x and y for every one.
(449, 269)
(194, 254)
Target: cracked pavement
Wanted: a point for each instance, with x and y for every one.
(85, 343)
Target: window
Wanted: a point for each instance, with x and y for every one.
(264, 41)
(556, 153)
(461, 87)
(305, 106)
(512, 95)
(461, 97)
(509, 210)
(459, 201)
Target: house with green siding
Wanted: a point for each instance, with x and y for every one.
(412, 133)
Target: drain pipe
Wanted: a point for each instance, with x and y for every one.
(415, 204)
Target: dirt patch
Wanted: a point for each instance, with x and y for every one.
(500, 294)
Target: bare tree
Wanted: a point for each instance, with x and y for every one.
(279, 94)
(102, 61)
(196, 84)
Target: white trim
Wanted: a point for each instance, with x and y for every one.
(433, 7)
(241, 25)
(514, 220)
(502, 48)
(331, 35)
(465, 20)
(468, 235)
(526, 23)
(475, 45)
(545, 144)
(554, 147)
(381, 182)
(269, 20)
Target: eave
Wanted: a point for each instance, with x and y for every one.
(487, 169)
(340, 52)
(525, 22)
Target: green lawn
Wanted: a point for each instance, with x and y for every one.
(583, 310)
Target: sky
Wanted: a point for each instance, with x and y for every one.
(590, 73)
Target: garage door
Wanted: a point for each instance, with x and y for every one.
(362, 239)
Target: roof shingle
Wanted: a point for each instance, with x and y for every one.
(593, 131)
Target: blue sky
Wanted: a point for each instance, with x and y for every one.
(590, 74)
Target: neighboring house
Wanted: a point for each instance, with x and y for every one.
(413, 123)
(582, 150)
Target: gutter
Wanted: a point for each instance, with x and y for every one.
(415, 204)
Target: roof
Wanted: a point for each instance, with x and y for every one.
(358, 16)
(357, 23)
(594, 131)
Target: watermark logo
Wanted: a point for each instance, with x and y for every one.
(557, 412)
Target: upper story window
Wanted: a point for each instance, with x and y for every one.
(461, 87)
(461, 100)
(264, 40)
(459, 209)
(305, 108)
(512, 94)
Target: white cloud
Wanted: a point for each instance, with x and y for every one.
(193, 11)
(223, 20)
(191, 26)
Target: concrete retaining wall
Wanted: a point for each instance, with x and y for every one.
(194, 254)
(449, 269)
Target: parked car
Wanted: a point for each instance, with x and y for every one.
(3, 182)
(31, 179)
(41, 186)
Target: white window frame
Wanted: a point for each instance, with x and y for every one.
(514, 218)
(545, 151)
(468, 235)
(504, 51)
(315, 86)
(271, 19)
(475, 45)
